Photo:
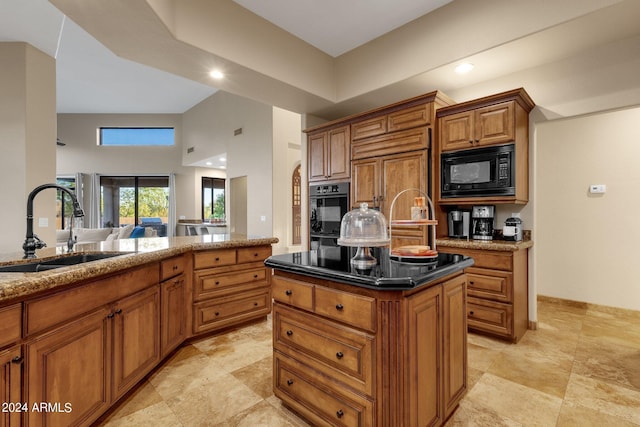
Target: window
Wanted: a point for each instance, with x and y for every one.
(213, 208)
(138, 200)
(136, 136)
(64, 206)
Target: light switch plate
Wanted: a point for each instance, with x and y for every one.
(43, 222)
(597, 188)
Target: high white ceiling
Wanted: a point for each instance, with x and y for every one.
(572, 56)
(92, 79)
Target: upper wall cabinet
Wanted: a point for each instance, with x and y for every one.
(329, 154)
(493, 120)
(494, 124)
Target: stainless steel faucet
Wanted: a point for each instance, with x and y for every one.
(32, 241)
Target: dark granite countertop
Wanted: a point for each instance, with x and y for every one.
(487, 245)
(334, 264)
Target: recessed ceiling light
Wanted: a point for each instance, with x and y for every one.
(208, 163)
(222, 159)
(223, 167)
(216, 74)
(463, 68)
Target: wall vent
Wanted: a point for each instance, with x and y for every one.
(191, 149)
(237, 132)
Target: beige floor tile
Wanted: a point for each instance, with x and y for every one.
(262, 415)
(257, 377)
(515, 402)
(158, 415)
(607, 360)
(580, 416)
(142, 397)
(604, 397)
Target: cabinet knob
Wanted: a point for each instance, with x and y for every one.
(289, 332)
(255, 304)
(256, 254)
(217, 282)
(340, 413)
(289, 382)
(471, 282)
(339, 307)
(339, 355)
(175, 267)
(471, 313)
(217, 259)
(471, 141)
(17, 359)
(111, 315)
(288, 292)
(255, 276)
(217, 313)
(118, 311)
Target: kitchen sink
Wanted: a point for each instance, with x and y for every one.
(62, 261)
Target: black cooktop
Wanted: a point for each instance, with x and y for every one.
(334, 264)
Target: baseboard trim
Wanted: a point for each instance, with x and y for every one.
(589, 306)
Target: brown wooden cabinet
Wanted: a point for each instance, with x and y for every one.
(494, 124)
(497, 292)
(349, 356)
(329, 155)
(377, 181)
(90, 351)
(173, 301)
(11, 362)
(230, 286)
(497, 119)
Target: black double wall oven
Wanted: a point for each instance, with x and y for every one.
(328, 204)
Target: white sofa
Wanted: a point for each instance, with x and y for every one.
(88, 235)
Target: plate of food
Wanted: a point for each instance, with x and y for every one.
(414, 253)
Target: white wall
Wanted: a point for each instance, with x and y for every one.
(209, 129)
(82, 153)
(586, 246)
(27, 135)
(286, 157)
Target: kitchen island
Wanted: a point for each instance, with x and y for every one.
(383, 347)
(78, 338)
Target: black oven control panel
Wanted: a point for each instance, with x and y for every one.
(333, 189)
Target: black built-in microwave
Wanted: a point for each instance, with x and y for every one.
(479, 172)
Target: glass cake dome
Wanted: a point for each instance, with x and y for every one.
(363, 227)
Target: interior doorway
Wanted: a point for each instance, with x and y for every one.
(238, 205)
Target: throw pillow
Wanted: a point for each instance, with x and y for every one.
(137, 232)
(125, 231)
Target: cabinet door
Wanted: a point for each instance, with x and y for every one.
(136, 338)
(423, 358)
(365, 183)
(456, 131)
(495, 124)
(317, 156)
(70, 366)
(10, 389)
(401, 172)
(455, 342)
(339, 153)
(174, 313)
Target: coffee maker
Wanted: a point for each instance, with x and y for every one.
(482, 218)
(459, 224)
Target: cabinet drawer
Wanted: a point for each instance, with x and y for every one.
(10, 324)
(342, 353)
(496, 260)
(489, 316)
(355, 310)
(410, 118)
(171, 267)
(322, 406)
(210, 283)
(225, 311)
(292, 292)
(215, 258)
(258, 253)
(492, 284)
(370, 127)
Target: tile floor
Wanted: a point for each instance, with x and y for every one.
(580, 368)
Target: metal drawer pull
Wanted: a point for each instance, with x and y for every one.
(17, 359)
(340, 413)
(339, 307)
(289, 332)
(288, 292)
(289, 382)
(339, 355)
